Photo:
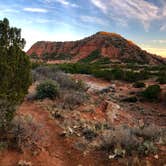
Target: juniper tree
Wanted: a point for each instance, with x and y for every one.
(15, 76)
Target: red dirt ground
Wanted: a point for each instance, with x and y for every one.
(58, 151)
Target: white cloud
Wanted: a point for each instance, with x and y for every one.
(92, 19)
(37, 10)
(63, 2)
(10, 11)
(143, 11)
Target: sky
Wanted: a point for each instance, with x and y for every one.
(142, 21)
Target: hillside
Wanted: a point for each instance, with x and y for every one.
(110, 45)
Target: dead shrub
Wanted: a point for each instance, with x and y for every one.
(127, 139)
(52, 73)
(72, 99)
(25, 133)
(148, 132)
(119, 136)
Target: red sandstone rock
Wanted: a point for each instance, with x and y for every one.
(110, 45)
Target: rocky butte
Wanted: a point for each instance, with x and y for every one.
(110, 45)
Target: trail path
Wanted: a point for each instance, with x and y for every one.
(58, 151)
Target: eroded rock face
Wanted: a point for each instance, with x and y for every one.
(110, 45)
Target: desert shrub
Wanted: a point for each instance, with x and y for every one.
(131, 99)
(139, 85)
(47, 89)
(102, 61)
(36, 64)
(66, 82)
(148, 132)
(161, 77)
(3, 145)
(55, 56)
(162, 80)
(120, 136)
(92, 56)
(34, 56)
(105, 74)
(25, 132)
(127, 139)
(151, 92)
(6, 114)
(146, 148)
(44, 72)
(53, 73)
(81, 68)
(89, 134)
(114, 74)
(73, 99)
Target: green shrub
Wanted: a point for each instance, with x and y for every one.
(151, 92)
(139, 85)
(102, 61)
(92, 56)
(161, 77)
(89, 134)
(34, 56)
(47, 89)
(55, 56)
(6, 114)
(146, 148)
(15, 74)
(131, 99)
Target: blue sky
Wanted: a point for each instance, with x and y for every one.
(143, 21)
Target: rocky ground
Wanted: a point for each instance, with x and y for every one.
(67, 141)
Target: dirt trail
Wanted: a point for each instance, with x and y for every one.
(57, 152)
(92, 82)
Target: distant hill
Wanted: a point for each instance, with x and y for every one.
(110, 45)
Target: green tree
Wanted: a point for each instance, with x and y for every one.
(15, 76)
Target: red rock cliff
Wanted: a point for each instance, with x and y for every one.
(110, 45)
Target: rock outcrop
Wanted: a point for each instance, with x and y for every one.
(110, 45)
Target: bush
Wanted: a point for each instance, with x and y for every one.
(53, 73)
(128, 139)
(92, 56)
(71, 99)
(139, 85)
(151, 92)
(47, 89)
(25, 132)
(120, 136)
(89, 134)
(161, 80)
(131, 99)
(6, 114)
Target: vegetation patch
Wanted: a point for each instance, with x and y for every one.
(47, 89)
(152, 92)
(92, 56)
(139, 85)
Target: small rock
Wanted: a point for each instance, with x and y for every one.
(63, 134)
(156, 156)
(111, 156)
(24, 163)
(70, 130)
